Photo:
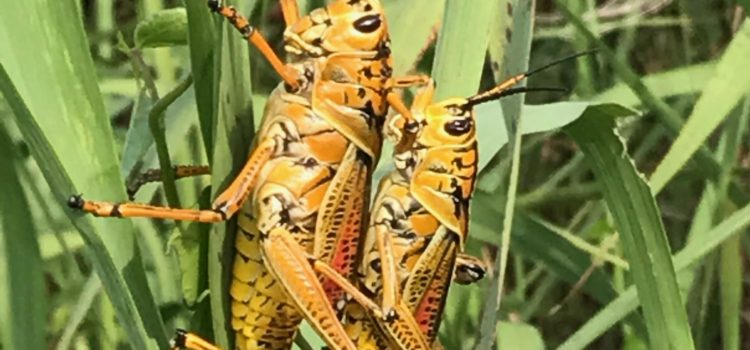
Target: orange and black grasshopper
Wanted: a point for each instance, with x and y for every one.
(419, 221)
(301, 198)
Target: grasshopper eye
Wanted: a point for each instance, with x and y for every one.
(368, 24)
(458, 127)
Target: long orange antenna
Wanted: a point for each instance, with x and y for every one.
(500, 90)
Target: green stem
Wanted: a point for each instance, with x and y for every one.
(156, 124)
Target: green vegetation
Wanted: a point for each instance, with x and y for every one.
(613, 218)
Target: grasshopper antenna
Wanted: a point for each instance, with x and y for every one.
(501, 89)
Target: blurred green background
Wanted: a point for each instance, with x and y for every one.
(611, 217)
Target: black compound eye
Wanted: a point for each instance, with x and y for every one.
(368, 24)
(458, 127)
(375, 265)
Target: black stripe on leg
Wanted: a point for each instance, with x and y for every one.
(115, 212)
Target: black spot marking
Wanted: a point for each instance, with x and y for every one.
(221, 213)
(384, 50)
(116, 211)
(368, 24)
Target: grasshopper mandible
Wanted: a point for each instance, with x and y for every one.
(302, 194)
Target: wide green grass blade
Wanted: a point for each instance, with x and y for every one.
(410, 24)
(500, 36)
(638, 221)
(202, 36)
(461, 48)
(134, 324)
(23, 306)
(492, 134)
(722, 93)
(55, 78)
(233, 134)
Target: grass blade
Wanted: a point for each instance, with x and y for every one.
(679, 81)
(410, 24)
(202, 38)
(638, 221)
(104, 263)
(461, 48)
(233, 134)
(730, 259)
(708, 166)
(539, 243)
(156, 125)
(22, 298)
(722, 93)
(55, 82)
(85, 300)
(517, 60)
(627, 302)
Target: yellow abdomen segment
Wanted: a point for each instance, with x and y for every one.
(262, 315)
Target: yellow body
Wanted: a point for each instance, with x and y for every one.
(417, 227)
(326, 139)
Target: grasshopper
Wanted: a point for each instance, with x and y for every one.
(419, 221)
(302, 194)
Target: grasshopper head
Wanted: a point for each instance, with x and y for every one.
(446, 123)
(342, 26)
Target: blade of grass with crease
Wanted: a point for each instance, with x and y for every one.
(54, 82)
(233, 131)
(641, 230)
(517, 60)
(727, 86)
(116, 286)
(23, 306)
